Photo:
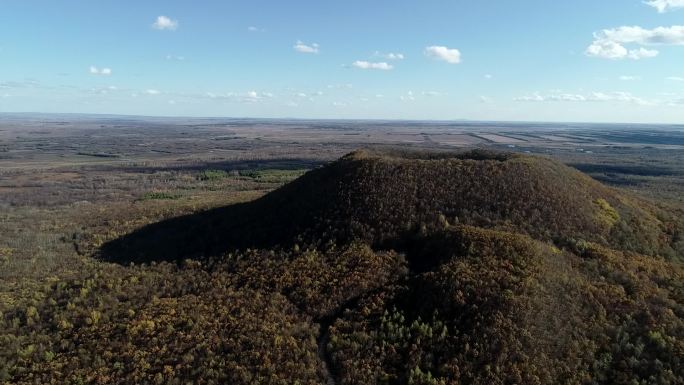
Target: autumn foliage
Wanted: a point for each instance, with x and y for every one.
(380, 268)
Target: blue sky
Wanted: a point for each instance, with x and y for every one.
(582, 60)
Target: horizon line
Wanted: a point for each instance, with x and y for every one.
(460, 120)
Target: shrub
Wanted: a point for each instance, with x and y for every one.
(212, 175)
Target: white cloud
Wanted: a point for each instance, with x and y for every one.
(252, 28)
(174, 57)
(615, 96)
(432, 93)
(100, 71)
(485, 99)
(306, 48)
(408, 97)
(365, 65)
(489, 76)
(610, 43)
(665, 5)
(340, 86)
(449, 55)
(390, 55)
(339, 104)
(642, 53)
(658, 36)
(165, 23)
(607, 49)
(246, 97)
(536, 97)
(252, 95)
(152, 92)
(212, 95)
(675, 78)
(628, 78)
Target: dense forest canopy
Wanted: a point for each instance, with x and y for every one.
(380, 268)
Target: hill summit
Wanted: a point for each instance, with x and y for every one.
(383, 197)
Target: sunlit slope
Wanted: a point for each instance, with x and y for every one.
(380, 197)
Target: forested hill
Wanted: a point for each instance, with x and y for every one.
(380, 268)
(383, 197)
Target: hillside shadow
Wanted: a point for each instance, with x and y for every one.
(209, 233)
(274, 219)
(262, 223)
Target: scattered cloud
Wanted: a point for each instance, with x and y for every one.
(610, 43)
(174, 57)
(102, 90)
(449, 55)
(212, 95)
(607, 49)
(152, 92)
(489, 76)
(616, 96)
(340, 86)
(339, 104)
(306, 48)
(252, 28)
(390, 55)
(675, 78)
(255, 96)
(246, 97)
(658, 36)
(627, 78)
(432, 93)
(100, 71)
(365, 65)
(408, 97)
(665, 5)
(165, 23)
(252, 96)
(485, 99)
(642, 53)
